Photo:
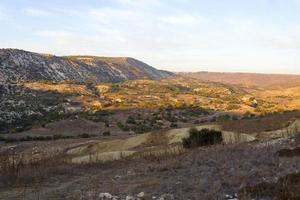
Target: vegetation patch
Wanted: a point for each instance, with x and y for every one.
(123, 127)
(35, 138)
(202, 137)
(106, 133)
(95, 116)
(43, 138)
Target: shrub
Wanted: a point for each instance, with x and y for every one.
(40, 138)
(91, 86)
(60, 136)
(130, 120)
(95, 116)
(202, 137)
(2, 139)
(123, 127)
(141, 128)
(106, 133)
(84, 135)
(197, 121)
(223, 118)
(11, 140)
(173, 125)
(185, 120)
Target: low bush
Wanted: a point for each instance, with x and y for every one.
(142, 128)
(202, 137)
(84, 135)
(173, 125)
(2, 139)
(38, 138)
(95, 116)
(11, 140)
(123, 127)
(130, 120)
(106, 133)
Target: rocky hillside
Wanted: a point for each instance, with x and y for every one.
(22, 106)
(23, 65)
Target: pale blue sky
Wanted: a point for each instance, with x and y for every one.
(177, 35)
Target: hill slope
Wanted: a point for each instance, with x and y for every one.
(18, 64)
(249, 79)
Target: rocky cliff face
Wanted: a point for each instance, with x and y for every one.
(28, 66)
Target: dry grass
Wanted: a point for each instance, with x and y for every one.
(64, 88)
(286, 188)
(160, 153)
(204, 173)
(268, 123)
(26, 170)
(176, 91)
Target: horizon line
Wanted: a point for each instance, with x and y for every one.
(159, 68)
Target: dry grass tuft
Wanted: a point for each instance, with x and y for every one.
(286, 188)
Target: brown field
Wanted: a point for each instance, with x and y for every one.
(266, 123)
(249, 79)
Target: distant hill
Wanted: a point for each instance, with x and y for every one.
(249, 79)
(23, 65)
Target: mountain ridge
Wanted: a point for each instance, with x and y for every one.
(18, 64)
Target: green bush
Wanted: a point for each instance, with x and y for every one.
(202, 137)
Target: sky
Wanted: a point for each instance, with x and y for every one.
(260, 36)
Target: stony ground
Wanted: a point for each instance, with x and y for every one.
(215, 172)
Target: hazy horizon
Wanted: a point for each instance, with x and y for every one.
(261, 36)
(201, 69)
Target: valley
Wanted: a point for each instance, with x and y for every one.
(87, 127)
